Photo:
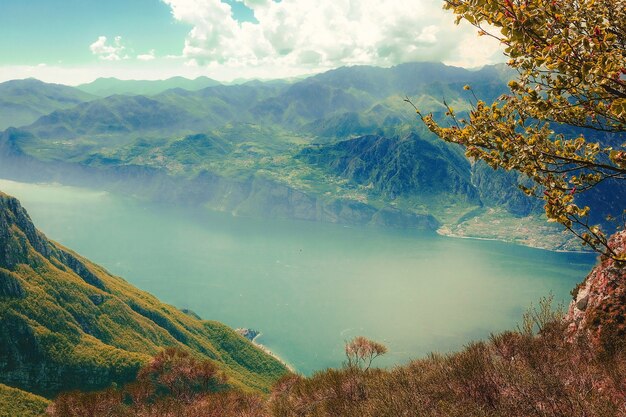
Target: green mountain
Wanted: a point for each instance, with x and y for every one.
(24, 101)
(349, 97)
(396, 167)
(66, 323)
(104, 87)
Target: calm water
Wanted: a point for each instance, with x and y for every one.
(308, 287)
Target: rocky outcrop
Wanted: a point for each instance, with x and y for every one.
(599, 305)
(13, 246)
(249, 334)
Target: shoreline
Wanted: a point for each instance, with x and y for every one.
(252, 335)
(442, 232)
(272, 354)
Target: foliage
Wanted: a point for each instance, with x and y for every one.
(538, 319)
(571, 61)
(175, 373)
(17, 403)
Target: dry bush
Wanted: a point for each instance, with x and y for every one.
(174, 384)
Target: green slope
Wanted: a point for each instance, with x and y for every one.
(66, 323)
(24, 101)
(18, 403)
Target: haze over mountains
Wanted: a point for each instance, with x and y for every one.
(341, 146)
(24, 101)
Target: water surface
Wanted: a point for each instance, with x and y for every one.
(307, 286)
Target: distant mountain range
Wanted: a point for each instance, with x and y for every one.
(341, 146)
(104, 87)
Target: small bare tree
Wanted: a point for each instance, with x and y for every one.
(361, 352)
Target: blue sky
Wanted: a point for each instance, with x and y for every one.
(75, 41)
(36, 31)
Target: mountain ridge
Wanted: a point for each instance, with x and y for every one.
(106, 86)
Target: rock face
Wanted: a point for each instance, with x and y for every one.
(500, 188)
(599, 305)
(249, 334)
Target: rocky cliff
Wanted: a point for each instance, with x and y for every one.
(599, 305)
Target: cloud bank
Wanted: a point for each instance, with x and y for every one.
(321, 34)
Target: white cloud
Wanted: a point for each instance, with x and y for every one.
(107, 51)
(303, 35)
(292, 38)
(146, 57)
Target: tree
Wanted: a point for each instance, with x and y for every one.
(361, 352)
(571, 59)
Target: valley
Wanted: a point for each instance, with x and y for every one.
(312, 210)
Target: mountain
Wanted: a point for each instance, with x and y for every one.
(338, 103)
(396, 167)
(66, 323)
(24, 101)
(341, 103)
(115, 115)
(104, 87)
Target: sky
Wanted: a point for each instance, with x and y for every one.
(77, 41)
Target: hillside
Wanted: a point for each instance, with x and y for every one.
(24, 101)
(396, 167)
(18, 403)
(66, 323)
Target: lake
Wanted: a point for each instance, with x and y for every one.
(307, 286)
